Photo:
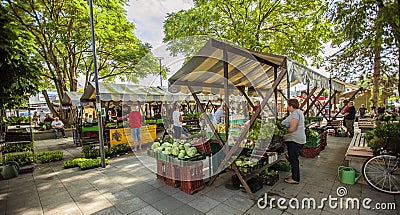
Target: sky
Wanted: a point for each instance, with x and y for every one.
(149, 16)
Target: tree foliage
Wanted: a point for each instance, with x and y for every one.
(296, 29)
(368, 43)
(62, 33)
(20, 71)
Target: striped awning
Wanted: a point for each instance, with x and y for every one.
(72, 99)
(124, 92)
(130, 92)
(204, 72)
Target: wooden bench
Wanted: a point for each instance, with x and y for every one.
(366, 124)
(358, 151)
(334, 125)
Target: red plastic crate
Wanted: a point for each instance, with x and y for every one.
(311, 152)
(191, 187)
(203, 145)
(192, 172)
(161, 170)
(172, 175)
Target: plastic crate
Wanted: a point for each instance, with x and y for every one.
(203, 146)
(192, 172)
(282, 166)
(163, 157)
(312, 141)
(160, 169)
(172, 175)
(269, 180)
(191, 187)
(311, 152)
(152, 153)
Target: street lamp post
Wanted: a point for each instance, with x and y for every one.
(96, 80)
(159, 59)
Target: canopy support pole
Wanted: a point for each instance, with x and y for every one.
(330, 92)
(351, 99)
(276, 93)
(323, 106)
(226, 91)
(315, 100)
(262, 97)
(309, 94)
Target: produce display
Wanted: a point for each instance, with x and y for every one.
(47, 157)
(179, 148)
(265, 130)
(311, 133)
(220, 128)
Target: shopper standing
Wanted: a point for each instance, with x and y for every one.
(294, 139)
(135, 123)
(349, 117)
(381, 110)
(362, 111)
(177, 120)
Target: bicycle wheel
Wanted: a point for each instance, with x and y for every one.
(382, 173)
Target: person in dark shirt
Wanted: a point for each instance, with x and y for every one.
(48, 118)
(349, 117)
(381, 109)
(362, 111)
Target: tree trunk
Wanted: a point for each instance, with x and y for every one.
(49, 104)
(376, 76)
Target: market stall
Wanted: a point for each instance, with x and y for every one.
(114, 96)
(225, 69)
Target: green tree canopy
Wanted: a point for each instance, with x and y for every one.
(368, 43)
(62, 33)
(296, 29)
(20, 70)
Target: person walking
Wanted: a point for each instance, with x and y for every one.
(58, 125)
(294, 139)
(135, 124)
(349, 117)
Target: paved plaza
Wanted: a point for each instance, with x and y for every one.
(126, 186)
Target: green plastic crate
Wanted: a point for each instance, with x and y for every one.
(312, 141)
(282, 166)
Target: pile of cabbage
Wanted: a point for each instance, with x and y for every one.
(178, 149)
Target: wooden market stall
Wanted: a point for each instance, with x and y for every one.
(116, 95)
(224, 69)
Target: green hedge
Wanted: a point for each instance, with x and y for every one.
(83, 163)
(46, 157)
(90, 151)
(21, 158)
(18, 147)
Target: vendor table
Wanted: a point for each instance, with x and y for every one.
(124, 135)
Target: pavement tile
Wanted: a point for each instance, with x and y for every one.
(94, 205)
(167, 204)
(146, 211)
(224, 209)
(184, 197)
(170, 190)
(60, 207)
(203, 203)
(240, 203)
(118, 197)
(220, 194)
(185, 210)
(131, 205)
(107, 211)
(153, 196)
(157, 183)
(140, 188)
(54, 199)
(255, 210)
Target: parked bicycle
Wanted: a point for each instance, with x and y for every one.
(382, 171)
